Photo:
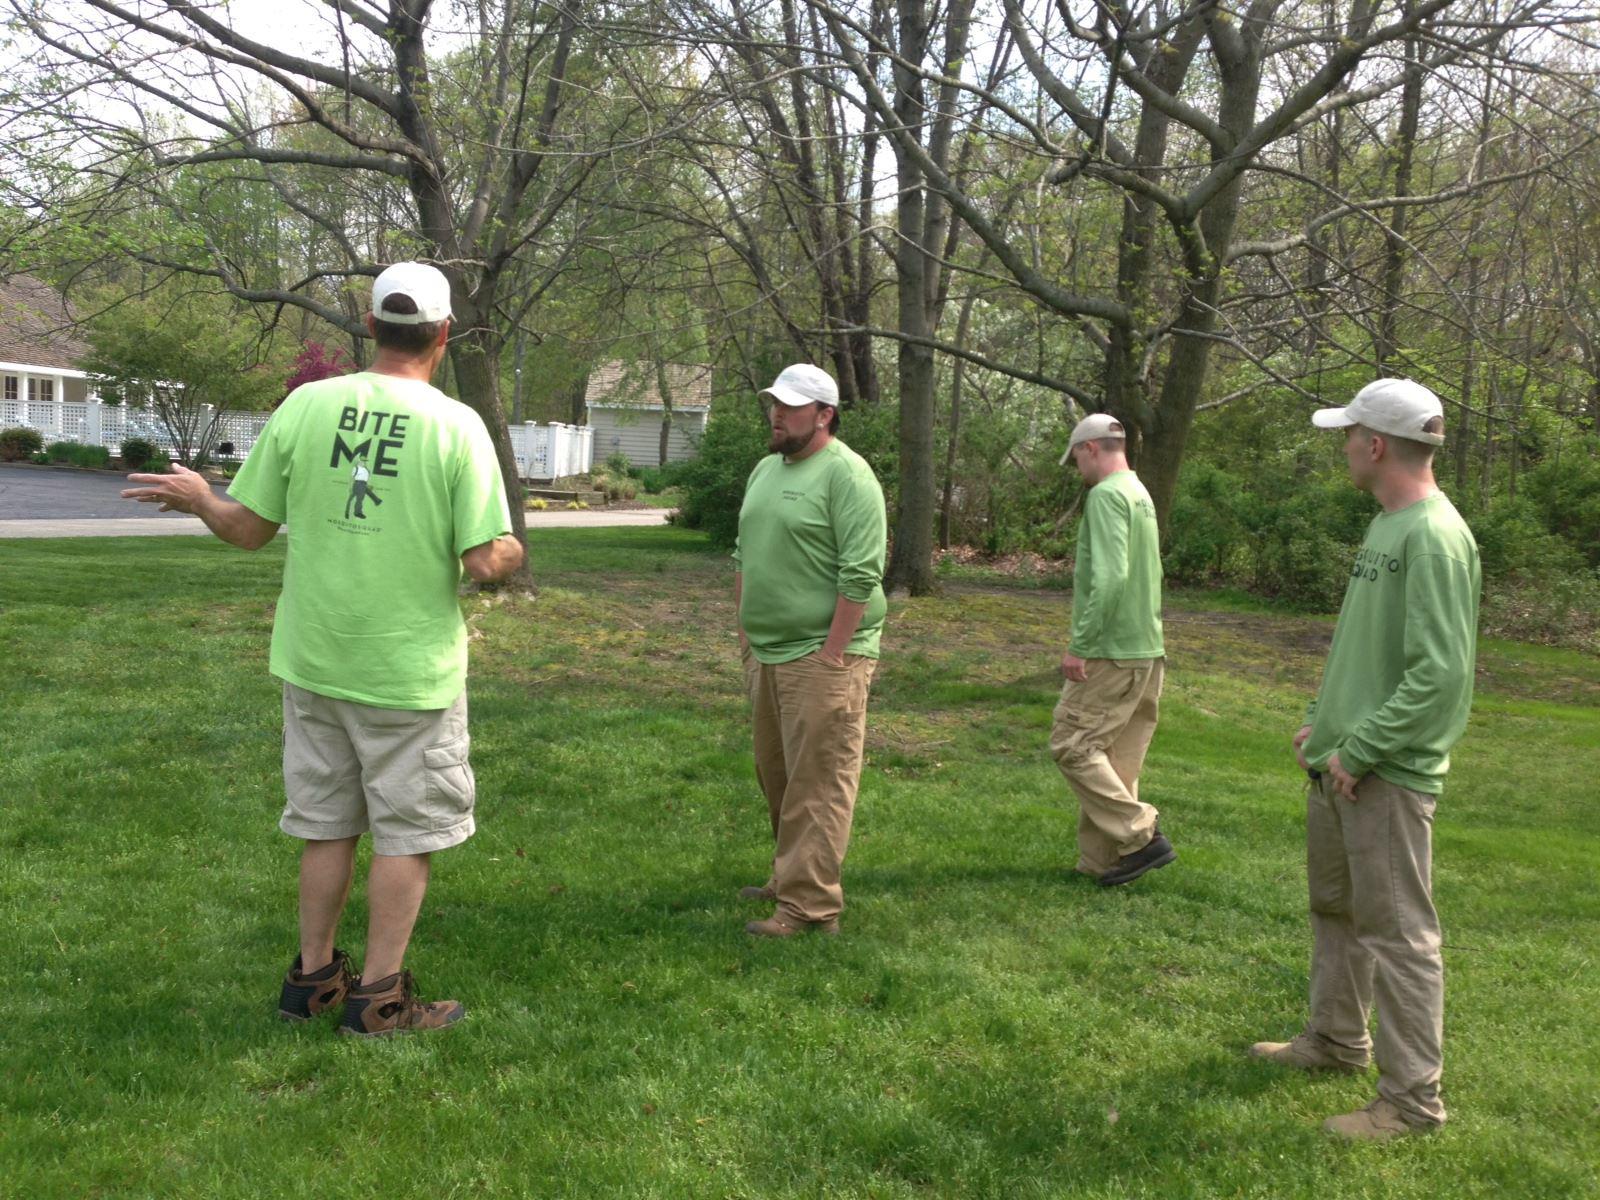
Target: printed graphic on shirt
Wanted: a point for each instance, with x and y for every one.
(371, 442)
(1371, 563)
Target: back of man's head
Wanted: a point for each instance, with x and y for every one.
(410, 305)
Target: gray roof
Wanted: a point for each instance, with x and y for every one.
(619, 384)
(36, 328)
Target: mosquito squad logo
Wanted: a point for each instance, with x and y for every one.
(366, 449)
(1372, 564)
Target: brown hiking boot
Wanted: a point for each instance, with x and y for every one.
(758, 893)
(780, 926)
(1307, 1052)
(307, 996)
(1379, 1121)
(391, 1006)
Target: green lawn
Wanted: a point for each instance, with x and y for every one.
(987, 1025)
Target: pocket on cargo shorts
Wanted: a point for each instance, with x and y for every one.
(449, 786)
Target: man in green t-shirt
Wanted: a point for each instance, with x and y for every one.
(808, 587)
(1395, 696)
(1114, 662)
(368, 637)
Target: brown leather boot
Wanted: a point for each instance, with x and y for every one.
(391, 1006)
(307, 996)
(780, 926)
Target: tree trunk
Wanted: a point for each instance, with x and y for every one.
(475, 358)
(911, 566)
(1387, 343)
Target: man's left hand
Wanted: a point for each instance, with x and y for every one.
(182, 491)
(832, 659)
(1074, 668)
(1344, 783)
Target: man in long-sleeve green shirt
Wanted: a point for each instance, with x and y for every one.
(809, 590)
(1114, 663)
(1376, 742)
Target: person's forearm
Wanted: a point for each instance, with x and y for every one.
(493, 561)
(738, 596)
(233, 522)
(847, 616)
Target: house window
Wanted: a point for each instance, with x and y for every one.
(13, 388)
(44, 390)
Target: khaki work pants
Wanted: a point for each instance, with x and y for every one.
(1375, 935)
(810, 726)
(1101, 730)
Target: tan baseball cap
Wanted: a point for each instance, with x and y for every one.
(1398, 407)
(1092, 428)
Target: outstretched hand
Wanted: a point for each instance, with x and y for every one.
(181, 491)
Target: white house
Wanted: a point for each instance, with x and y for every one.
(39, 355)
(625, 411)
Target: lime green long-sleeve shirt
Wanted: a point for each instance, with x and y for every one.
(1397, 688)
(1116, 577)
(810, 532)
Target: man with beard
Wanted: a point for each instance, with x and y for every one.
(808, 586)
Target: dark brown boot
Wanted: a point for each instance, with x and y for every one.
(391, 1006)
(307, 996)
(780, 926)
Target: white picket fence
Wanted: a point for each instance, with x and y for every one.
(543, 451)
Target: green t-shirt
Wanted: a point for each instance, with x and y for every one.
(1397, 687)
(1116, 576)
(810, 532)
(383, 482)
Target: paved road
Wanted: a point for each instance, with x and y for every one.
(29, 493)
(41, 502)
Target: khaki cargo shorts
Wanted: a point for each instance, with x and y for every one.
(402, 773)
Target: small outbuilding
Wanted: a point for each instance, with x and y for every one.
(626, 411)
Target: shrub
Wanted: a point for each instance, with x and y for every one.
(89, 456)
(538, 504)
(60, 452)
(41, 458)
(136, 452)
(19, 443)
(618, 464)
(713, 483)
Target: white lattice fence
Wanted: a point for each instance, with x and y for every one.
(542, 451)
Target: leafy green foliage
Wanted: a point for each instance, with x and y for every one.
(136, 452)
(19, 443)
(713, 482)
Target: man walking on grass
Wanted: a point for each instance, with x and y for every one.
(1376, 742)
(1114, 662)
(808, 587)
(368, 637)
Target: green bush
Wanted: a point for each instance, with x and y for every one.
(60, 452)
(136, 452)
(19, 443)
(618, 464)
(91, 456)
(1565, 491)
(659, 479)
(713, 482)
(41, 458)
(1512, 540)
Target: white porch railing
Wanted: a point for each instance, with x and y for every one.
(543, 451)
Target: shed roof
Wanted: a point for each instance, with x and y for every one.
(619, 384)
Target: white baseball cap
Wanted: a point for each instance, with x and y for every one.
(1091, 429)
(427, 287)
(803, 384)
(1398, 407)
